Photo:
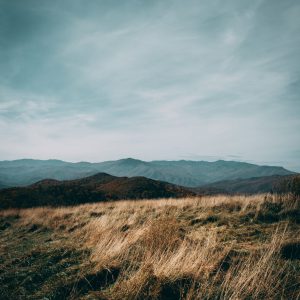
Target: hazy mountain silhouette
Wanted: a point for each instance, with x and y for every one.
(99, 187)
(186, 173)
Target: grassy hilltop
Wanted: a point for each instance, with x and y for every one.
(223, 247)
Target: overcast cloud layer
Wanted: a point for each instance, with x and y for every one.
(99, 80)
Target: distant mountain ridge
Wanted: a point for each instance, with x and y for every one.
(185, 173)
(97, 188)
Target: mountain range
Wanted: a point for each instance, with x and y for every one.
(183, 172)
(97, 188)
(266, 184)
(104, 187)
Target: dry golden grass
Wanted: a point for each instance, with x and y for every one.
(222, 247)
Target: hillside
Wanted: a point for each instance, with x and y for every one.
(256, 185)
(184, 173)
(223, 247)
(99, 187)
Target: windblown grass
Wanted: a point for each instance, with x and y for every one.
(223, 247)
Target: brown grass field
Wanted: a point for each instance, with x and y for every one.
(222, 247)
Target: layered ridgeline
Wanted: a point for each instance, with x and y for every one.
(97, 188)
(103, 187)
(267, 184)
(185, 173)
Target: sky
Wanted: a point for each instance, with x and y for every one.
(107, 79)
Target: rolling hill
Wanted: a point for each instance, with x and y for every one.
(185, 173)
(97, 188)
(256, 185)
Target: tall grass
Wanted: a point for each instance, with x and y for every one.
(222, 247)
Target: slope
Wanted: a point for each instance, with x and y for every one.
(99, 187)
(267, 184)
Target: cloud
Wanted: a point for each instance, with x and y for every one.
(153, 80)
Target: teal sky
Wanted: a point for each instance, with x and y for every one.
(100, 80)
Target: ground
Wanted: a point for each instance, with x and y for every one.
(221, 247)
